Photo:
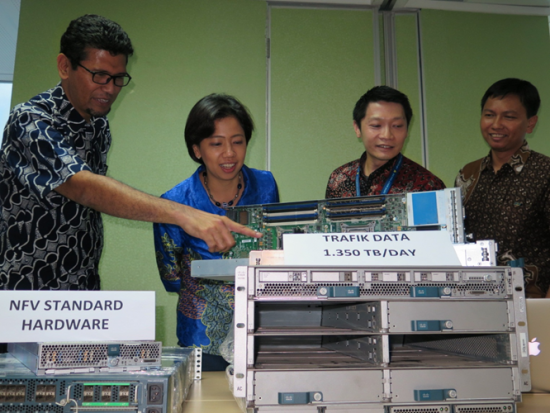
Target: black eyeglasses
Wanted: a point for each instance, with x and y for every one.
(102, 78)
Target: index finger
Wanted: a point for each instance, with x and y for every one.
(241, 229)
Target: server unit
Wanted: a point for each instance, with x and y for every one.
(87, 357)
(146, 391)
(450, 339)
(415, 211)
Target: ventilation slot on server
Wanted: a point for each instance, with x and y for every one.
(497, 408)
(421, 409)
(32, 409)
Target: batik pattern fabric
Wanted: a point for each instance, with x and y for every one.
(205, 307)
(48, 242)
(411, 177)
(512, 207)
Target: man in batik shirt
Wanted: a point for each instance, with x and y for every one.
(52, 171)
(381, 119)
(507, 193)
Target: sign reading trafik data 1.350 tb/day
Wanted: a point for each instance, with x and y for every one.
(411, 248)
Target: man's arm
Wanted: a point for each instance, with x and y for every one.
(112, 197)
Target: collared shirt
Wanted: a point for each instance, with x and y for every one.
(205, 307)
(48, 242)
(512, 207)
(410, 178)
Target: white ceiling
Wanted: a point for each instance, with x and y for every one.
(529, 7)
(532, 7)
(540, 3)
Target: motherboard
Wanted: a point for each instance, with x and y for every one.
(414, 211)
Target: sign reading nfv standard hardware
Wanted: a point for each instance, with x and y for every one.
(43, 316)
(370, 248)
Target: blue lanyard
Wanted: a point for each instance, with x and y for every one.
(389, 181)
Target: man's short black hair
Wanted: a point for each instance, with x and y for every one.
(201, 120)
(96, 32)
(381, 94)
(524, 90)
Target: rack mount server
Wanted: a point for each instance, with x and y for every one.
(145, 391)
(312, 339)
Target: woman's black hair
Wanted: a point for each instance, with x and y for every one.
(201, 120)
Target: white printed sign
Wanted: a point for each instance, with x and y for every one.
(46, 316)
(420, 248)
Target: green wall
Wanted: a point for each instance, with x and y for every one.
(464, 53)
(186, 49)
(322, 61)
(408, 79)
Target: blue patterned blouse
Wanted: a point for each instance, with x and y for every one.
(205, 307)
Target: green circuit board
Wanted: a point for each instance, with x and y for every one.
(431, 210)
(365, 214)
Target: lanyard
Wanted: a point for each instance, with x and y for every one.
(389, 181)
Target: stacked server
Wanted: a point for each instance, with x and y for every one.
(159, 390)
(95, 376)
(88, 357)
(380, 340)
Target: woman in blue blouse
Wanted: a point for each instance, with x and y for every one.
(216, 133)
